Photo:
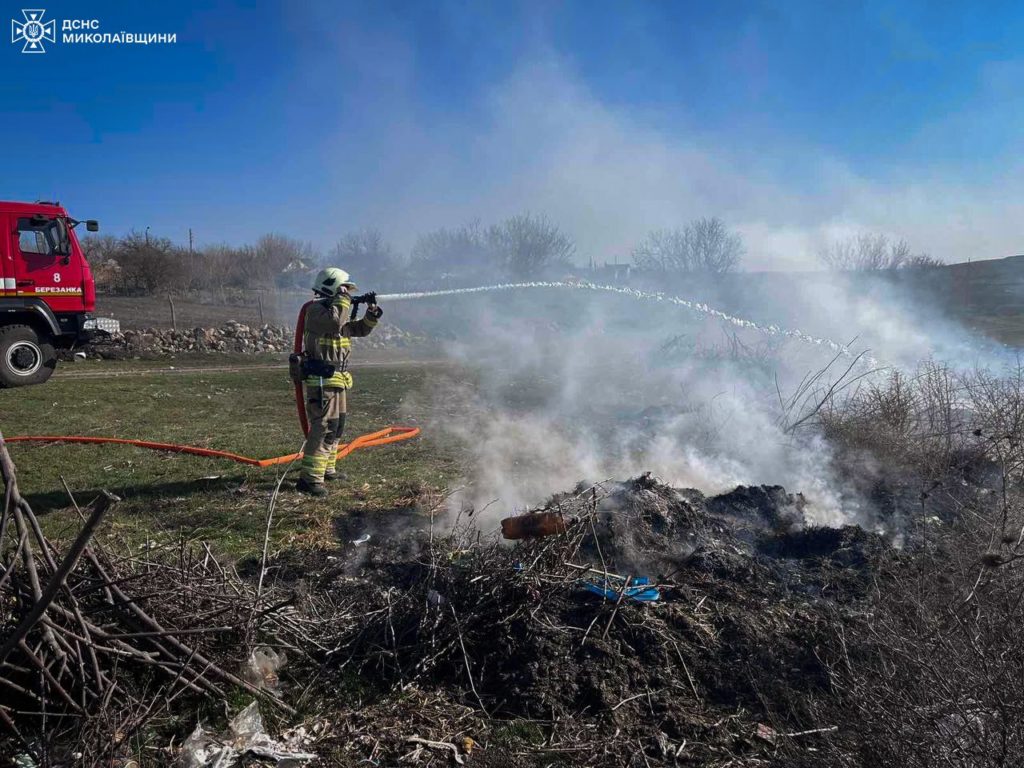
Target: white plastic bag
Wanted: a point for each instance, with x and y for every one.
(261, 668)
(245, 736)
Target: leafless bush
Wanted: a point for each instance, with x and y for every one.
(142, 263)
(929, 671)
(702, 246)
(149, 264)
(869, 253)
(101, 251)
(923, 260)
(277, 257)
(529, 246)
(366, 255)
(916, 422)
(99, 248)
(446, 253)
(664, 250)
(521, 247)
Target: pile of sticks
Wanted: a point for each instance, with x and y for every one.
(71, 635)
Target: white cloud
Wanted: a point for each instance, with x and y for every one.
(540, 140)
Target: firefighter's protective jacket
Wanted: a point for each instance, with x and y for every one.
(328, 337)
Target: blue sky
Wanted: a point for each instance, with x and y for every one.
(797, 122)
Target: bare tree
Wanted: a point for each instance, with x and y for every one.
(366, 255)
(664, 250)
(101, 251)
(99, 248)
(220, 265)
(869, 253)
(704, 245)
(527, 246)
(713, 248)
(461, 252)
(150, 264)
(275, 255)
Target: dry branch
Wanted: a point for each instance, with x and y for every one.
(74, 640)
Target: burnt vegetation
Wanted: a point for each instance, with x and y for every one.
(775, 641)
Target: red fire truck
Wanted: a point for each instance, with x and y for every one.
(46, 290)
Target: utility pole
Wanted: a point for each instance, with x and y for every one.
(190, 241)
(147, 237)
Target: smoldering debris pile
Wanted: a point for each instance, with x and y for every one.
(231, 337)
(662, 627)
(659, 627)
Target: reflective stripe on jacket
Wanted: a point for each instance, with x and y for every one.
(328, 337)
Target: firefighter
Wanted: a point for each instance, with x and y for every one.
(326, 344)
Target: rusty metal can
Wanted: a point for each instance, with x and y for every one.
(532, 526)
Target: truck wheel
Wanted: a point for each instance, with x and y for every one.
(25, 357)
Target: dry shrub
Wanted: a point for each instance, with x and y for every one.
(917, 422)
(930, 671)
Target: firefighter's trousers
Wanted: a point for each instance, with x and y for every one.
(325, 409)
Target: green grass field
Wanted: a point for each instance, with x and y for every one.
(250, 411)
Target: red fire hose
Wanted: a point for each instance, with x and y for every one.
(300, 329)
(381, 437)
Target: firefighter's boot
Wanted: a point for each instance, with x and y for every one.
(313, 489)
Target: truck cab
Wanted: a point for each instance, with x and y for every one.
(46, 290)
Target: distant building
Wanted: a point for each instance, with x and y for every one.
(297, 265)
(612, 273)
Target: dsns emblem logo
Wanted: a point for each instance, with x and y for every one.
(34, 31)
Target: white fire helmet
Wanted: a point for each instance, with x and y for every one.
(331, 280)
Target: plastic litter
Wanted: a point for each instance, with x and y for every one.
(261, 668)
(610, 588)
(422, 743)
(199, 749)
(362, 539)
(245, 737)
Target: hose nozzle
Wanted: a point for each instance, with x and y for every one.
(370, 297)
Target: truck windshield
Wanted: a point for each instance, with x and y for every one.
(41, 237)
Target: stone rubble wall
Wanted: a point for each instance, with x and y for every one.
(231, 337)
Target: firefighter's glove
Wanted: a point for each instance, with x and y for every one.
(374, 311)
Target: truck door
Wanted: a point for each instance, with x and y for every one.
(6, 261)
(43, 262)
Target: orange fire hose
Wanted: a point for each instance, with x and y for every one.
(381, 437)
